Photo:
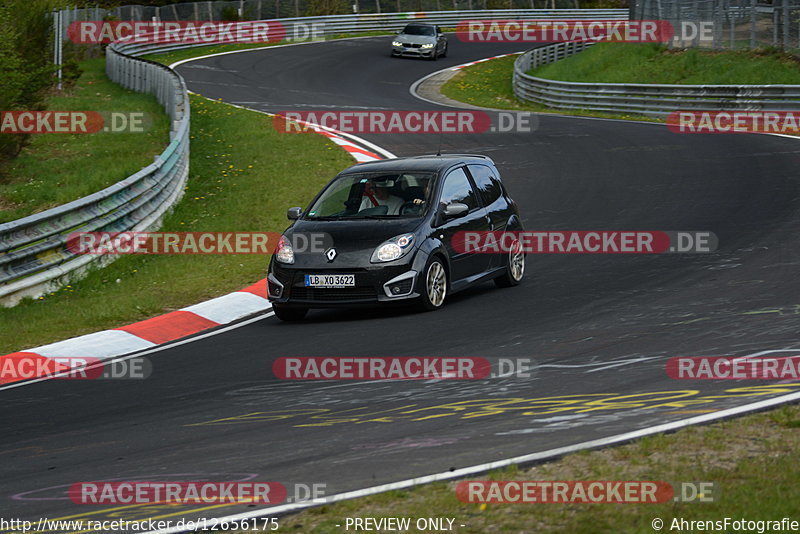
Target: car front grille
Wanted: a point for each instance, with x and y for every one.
(333, 294)
(412, 45)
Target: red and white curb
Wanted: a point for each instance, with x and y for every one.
(357, 151)
(463, 65)
(151, 332)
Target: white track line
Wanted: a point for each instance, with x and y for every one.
(527, 458)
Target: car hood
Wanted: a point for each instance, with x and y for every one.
(354, 240)
(415, 39)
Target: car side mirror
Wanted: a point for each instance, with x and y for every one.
(294, 213)
(455, 209)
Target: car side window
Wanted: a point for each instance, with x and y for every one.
(456, 188)
(488, 185)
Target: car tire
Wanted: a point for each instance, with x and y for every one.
(434, 285)
(444, 51)
(289, 314)
(515, 267)
(435, 55)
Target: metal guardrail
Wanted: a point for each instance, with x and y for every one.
(34, 257)
(644, 99)
(333, 25)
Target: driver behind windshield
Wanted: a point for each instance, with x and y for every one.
(419, 30)
(378, 193)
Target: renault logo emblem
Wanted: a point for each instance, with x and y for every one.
(330, 254)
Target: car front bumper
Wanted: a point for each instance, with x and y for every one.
(380, 284)
(412, 52)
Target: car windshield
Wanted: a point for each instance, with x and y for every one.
(419, 30)
(374, 195)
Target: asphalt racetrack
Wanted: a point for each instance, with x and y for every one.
(599, 328)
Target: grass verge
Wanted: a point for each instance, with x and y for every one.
(655, 63)
(751, 461)
(243, 176)
(58, 168)
(488, 85)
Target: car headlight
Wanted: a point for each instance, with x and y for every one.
(284, 253)
(397, 43)
(393, 248)
(427, 45)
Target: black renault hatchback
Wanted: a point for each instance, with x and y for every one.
(385, 234)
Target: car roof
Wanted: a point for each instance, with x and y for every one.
(432, 163)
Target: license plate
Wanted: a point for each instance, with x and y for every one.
(330, 280)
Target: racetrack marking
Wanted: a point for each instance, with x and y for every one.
(599, 366)
(517, 460)
(507, 406)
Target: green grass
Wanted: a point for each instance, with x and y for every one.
(752, 462)
(243, 176)
(654, 63)
(488, 84)
(58, 168)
